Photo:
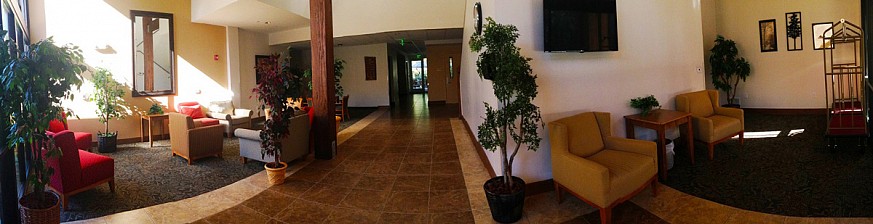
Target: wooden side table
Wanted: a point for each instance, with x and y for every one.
(660, 120)
(150, 120)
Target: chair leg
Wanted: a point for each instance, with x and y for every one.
(64, 202)
(606, 215)
(243, 160)
(112, 186)
(558, 193)
(742, 140)
(655, 187)
(711, 148)
(189, 162)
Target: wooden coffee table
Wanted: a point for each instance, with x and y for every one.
(660, 120)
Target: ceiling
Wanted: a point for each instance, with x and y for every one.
(267, 19)
(414, 41)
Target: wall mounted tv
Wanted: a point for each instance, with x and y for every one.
(579, 25)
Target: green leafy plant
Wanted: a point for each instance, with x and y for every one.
(515, 87)
(645, 104)
(34, 83)
(338, 67)
(108, 96)
(156, 109)
(271, 92)
(294, 78)
(727, 68)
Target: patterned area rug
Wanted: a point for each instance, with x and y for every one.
(149, 176)
(788, 170)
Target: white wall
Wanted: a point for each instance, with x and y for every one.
(660, 49)
(364, 93)
(782, 79)
(357, 17)
(250, 44)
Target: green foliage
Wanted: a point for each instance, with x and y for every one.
(108, 96)
(34, 83)
(727, 68)
(271, 92)
(515, 87)
(156, 109)
(645, 104)
(338, 67)
(295, 78)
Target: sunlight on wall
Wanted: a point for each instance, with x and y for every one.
(197, 86)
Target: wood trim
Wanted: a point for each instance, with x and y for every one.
(64, 197)
(607, 211)
(774, 111)
(479, 149)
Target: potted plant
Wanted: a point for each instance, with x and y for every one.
(727, 68)
(515, 116)
(35, 82)
(108, 95)
(645, 104)
(271, 92)
(338, 67)
(156, 109)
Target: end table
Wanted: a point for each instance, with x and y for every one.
(660, 120)
(150, 120)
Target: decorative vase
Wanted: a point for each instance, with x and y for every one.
(107, 143)
(34, 211)
(505, 207)
(276, 176)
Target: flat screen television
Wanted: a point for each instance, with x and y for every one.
(579, 25)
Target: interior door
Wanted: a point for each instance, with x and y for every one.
(453, 86)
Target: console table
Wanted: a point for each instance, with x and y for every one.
(660, 120)
(150, 120)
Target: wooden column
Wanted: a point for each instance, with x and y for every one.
(148, 52)
(323, 90)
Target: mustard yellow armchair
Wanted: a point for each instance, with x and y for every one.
(712, 123)
(600, 169)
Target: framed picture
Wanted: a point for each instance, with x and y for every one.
(767, 30)
(370, 68)
(258, 60)
(818, 35)
(793, 31)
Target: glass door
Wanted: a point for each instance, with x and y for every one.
(419, 75)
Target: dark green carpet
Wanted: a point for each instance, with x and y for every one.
(791, 174)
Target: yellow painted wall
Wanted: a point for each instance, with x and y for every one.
(781, 79)
(92, 24)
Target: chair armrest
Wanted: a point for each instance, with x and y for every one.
(576, 172)
(731, 112)
(633, 145)
(221, 116)
(242, 112)
(247, 134)
(701, 125)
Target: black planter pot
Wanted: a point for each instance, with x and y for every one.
(107, 143)
(505, 208)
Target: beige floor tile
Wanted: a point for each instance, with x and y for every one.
(173, 212)
(699, 211)
(100, 220)
(751, 217)
(132, 217)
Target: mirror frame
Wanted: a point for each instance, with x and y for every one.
(142, 93)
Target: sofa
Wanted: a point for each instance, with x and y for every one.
(602, 170)
(229, 116)
(77, 170)
(295, 146)
(192, 140)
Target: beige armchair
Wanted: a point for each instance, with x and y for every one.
(192, 141)
(600, 169)
(712, 123)
(230, 117)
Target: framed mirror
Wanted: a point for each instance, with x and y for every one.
(153, 55)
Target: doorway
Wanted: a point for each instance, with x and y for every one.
(418, 69)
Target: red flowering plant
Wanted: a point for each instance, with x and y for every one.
(271, 92)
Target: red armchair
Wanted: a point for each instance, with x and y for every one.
(83, 139)
(77, 170)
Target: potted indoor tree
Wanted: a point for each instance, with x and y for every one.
(271, 92)
(35, 83)
(338, 67)
(110, 105)
(728, 68)
(514, 117)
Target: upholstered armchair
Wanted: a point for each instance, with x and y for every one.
(192, 140)
(77, 170)
(230, 117)
(83, 139)
(602, 170)
(712, 123)
(295, 146)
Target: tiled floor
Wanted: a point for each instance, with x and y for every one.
(415, 164)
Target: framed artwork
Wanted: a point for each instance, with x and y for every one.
(767, 30)
(793, 31)
(370, 68)
(258, 59)
(818, 35)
